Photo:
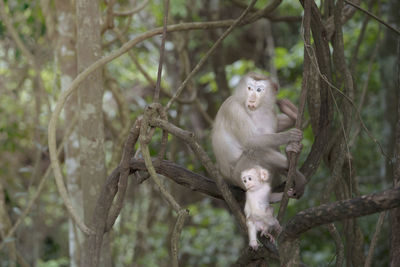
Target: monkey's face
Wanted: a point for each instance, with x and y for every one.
(257, 91)
(251, 179)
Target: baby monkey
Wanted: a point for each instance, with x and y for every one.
(259, 214)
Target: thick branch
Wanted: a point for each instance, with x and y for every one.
(323, 65)
(186, 178)
(345, 209)
(301, 222)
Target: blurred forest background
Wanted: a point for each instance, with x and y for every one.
(45, 44)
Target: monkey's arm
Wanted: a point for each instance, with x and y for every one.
(284, 122)
(273, 139)
(235, 120)
(288, 117)
(276, 197)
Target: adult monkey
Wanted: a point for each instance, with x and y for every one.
(248, 132)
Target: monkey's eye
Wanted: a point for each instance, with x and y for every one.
(244, 180)
(249, 88)
(258, 89)
(249, 178)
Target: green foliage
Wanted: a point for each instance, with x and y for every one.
(177, 9)
(210, 237)
(61, 262)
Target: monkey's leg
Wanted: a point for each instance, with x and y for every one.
(265, 233)
(275, 159)
(252, 232)
(299, 184)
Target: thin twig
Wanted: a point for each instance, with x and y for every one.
(176, 233)
(129, 147)
(368, 261)
(182, 213)
(373, 16)
(354, 59)
(365, 87)
(293, 157)
(150, 80)
(311, 52)
(162, 50)
(209, 52)
(109, 20)
(133, 11)
(338, 243)
(345, 76)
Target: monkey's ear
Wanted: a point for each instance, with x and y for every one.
(264, 175)
(274, 86)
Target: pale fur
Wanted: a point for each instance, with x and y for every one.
(243, 136)
(259, 213)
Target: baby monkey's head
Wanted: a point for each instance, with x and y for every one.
(254, 177)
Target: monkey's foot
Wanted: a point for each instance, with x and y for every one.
(268, 235)
(253, 244)
(294, 147)
(291, 193)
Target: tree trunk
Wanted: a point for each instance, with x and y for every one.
(68, 67)
(395, 213)
(389, 78)
(92, 169)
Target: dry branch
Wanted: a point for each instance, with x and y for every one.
(378, 228)
(340, 210)
(293, 157)
(152, 111)
(133, 11)
(162, 51)
(323, 64)
(180, 175)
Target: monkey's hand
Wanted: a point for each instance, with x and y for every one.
(291, 193)
(295, 135)
(294, 147)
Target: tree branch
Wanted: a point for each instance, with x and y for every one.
(133, 11)
(209, 52)
(340, 210)
(194, 181)
(162, 51)
(373, 16)
(188, 137)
